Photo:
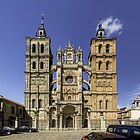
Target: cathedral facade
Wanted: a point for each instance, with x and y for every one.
(58, 96)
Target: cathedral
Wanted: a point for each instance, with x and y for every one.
(58, 96)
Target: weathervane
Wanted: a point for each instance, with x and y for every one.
(42, 22)
(100, 20)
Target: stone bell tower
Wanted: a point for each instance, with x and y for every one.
(103, 79)
(38, 77)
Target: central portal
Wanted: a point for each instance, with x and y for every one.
(68, 116)
(69, 122)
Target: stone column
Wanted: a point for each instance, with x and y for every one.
(64, 125)
(47, 121)
(76, 127)
(89, 124)
(56, 121)
(60, 121)
(76, 120)
(35, 121)
(36, 114)
(16, 122)
(102, 122)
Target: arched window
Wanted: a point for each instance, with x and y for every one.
(80, 57)
(101, 104)
(99, 83)
(69, 98)
(99, 48)
(53, 123)
(40, 33)
(107, 104)
(40, 103)
(99, 65)
(107, 48)
(33, 48)
(59, 57)
(33, 103)
(101, 34)
(41, 65)
(20, 111)
(12, 110)
(107, 65)
(34, 65)
(69, 55)
(42, 48)
(137, 104)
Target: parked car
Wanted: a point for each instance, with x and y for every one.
(103, 136)
(27, 129)
(9, 130)
(1, 131)
(130, 131)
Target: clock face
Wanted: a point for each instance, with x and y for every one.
(69, 79)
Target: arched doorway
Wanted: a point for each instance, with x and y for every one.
(53, 123)
(68, 116)
(69, 122)
(53, 117)
(12, 121)
(85, 123)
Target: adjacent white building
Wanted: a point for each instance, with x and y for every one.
(130, 114)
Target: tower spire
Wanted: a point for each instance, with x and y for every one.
(100, 20)
(42, 21)
(100, 23)
(41, 30)
(100, 32)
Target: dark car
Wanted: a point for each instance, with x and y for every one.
(130, 131)
(9, 130)
(27, 129)
(1, 131)
(103, 136)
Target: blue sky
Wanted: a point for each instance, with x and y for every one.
(68, 20)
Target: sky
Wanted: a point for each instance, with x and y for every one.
(75, 21)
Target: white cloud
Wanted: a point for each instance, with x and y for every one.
(128, 97)
(112, 25)
(135, 92)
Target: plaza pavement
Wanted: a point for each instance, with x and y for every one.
(48, 135)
